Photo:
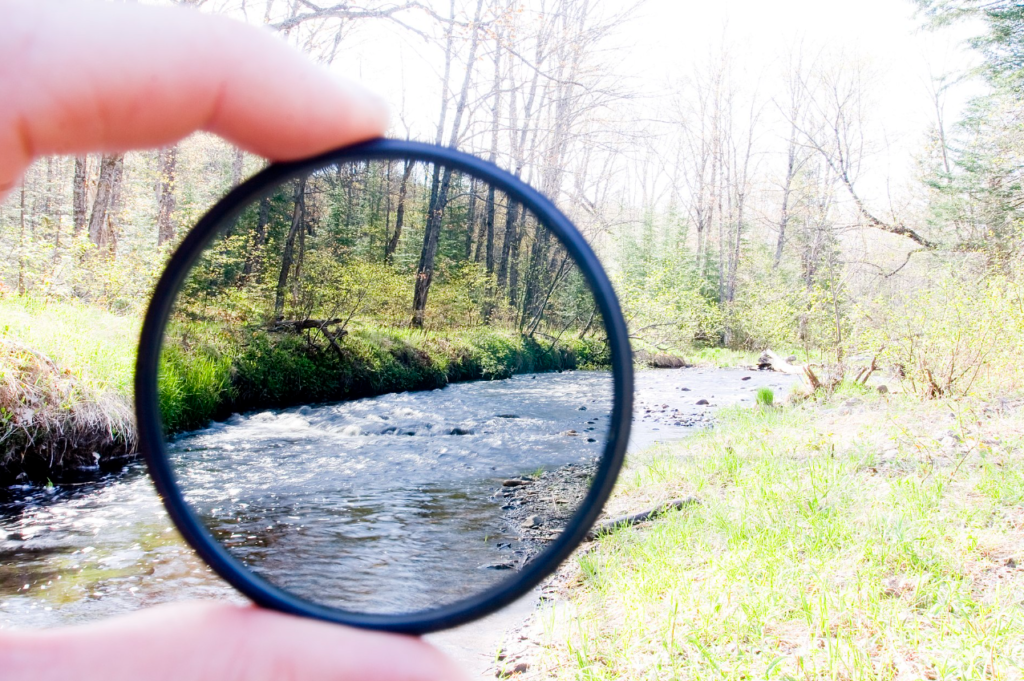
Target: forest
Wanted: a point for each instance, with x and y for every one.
(362, 278)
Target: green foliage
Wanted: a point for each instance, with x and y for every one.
(1002, 42)
(952, 337)
(669, 306)
(765, 397)
(218, 375)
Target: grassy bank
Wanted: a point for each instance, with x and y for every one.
(66, 374)
(217, 376)
(65, 387)
(882, 539)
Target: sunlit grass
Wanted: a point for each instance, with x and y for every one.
(825, 547)
(96, 345)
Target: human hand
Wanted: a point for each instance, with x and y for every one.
(218, 642)
(79, 77)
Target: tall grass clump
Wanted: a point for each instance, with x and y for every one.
(52, 422)
(65, 388)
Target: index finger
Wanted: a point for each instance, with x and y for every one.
(77, 77)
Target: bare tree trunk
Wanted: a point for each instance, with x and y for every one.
(166, 201)
(489, 211)
(511, 218)
(80, 195)
(21, 240)
(432, 233)
(255, 256)
(392, 246)
(298, 215)
(742, 182)
(116, 211)
(493, 157)
(107, 188)
(471, 219)
(786, 190)
(513, 266)
(797, 95)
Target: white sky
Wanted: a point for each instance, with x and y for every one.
(667, 37)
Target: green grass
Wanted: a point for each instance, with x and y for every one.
(96, 345)
(826, 547)
(83, 397)
(65, 388)
(721, 357)
(765, 397)
(219, 375)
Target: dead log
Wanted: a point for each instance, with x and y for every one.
(321, 325)
(769, 361)
(608, 526)
(298, 325)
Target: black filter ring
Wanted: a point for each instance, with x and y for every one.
(153, 445)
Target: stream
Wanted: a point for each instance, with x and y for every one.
(355, 504)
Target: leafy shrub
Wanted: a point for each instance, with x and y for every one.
(951, 338)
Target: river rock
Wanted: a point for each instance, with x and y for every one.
(533, 521)
(745, 378)
(702, 403)
(570, 433)
(508, 416)
(853, 402)
(581, 409)
(460, 431)
(514, 482)
(499, 566)
(883, 390)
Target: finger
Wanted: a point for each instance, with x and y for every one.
(78, 77)
(216, 642)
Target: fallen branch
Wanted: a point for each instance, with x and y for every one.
(303, 324)
(770, 360)
(609, 526)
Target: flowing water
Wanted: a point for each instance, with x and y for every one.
(383, 504)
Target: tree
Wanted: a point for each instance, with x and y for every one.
(441, 185)
(102, 222)
(295, 230)
(80, 194)
(167, 161)
(1002, 43)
